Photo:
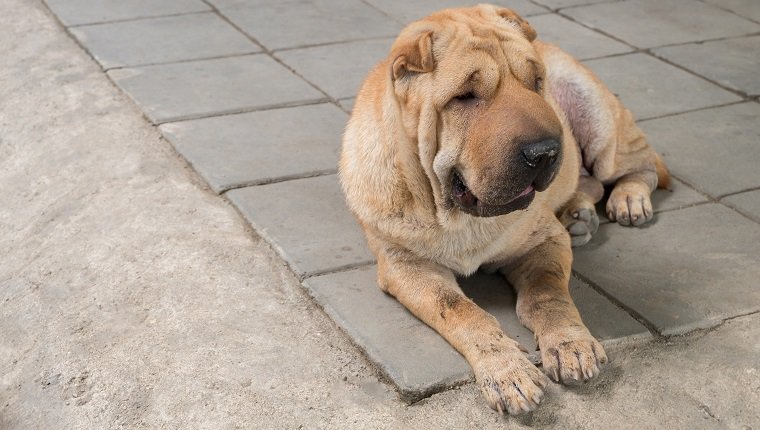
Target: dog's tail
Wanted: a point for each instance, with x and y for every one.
(663, 176)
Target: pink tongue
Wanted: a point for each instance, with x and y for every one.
(527, 191)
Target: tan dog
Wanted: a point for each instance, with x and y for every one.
(464, 150)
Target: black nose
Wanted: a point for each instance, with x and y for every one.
(541, 154)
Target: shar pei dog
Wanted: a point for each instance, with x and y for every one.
(474, 145)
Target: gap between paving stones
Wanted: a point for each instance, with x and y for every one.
(720, 6)
(339, 42)
(738, 192)
(137, 18)
(276, 180)
(182, 118)
(387, 15)
(162, 63)
(625, 308)
(557, 9)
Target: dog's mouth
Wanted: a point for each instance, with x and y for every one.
(467, 201)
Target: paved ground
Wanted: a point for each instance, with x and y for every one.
(131, 295)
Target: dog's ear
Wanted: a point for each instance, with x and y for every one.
(513, 17)
(412, 54)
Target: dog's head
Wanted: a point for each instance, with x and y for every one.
(469, 87)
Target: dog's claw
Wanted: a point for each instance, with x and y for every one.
(572, 356)
(510, 382)
(630, 204)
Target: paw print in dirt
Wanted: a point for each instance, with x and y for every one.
(78, 389)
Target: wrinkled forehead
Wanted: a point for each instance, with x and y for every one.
(467, 40)
(487, 51)
(477, 23)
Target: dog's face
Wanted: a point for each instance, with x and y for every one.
(469, 86)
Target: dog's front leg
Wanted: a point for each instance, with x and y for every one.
(541, 278)
(508, 380)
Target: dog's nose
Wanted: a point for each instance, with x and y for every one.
(541, 154)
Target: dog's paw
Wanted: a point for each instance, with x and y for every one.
(510, 382)
(582, 224)
(571, 355)
(630, 204)
(581, 221)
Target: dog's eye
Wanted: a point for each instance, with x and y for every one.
(466, 97)
(538, 84)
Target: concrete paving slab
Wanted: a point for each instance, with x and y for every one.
(678, 197)
(307, 221)
(651, 88)
(734, 63)
(746, 8)
(309, 22)
(337, 69)
(651, 23)
(77, 12)
(690, 269)
(413, 356)
(195, 89)
(407, 11)
(715, 150)
(576, 39)
(747, 203)
(260, 147)
(162, 40)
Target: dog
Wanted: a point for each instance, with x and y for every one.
(475, 146)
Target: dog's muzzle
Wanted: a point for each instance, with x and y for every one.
(540, 164)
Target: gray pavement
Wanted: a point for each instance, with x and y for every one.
(132, 295)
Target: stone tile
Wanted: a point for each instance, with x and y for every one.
(678, 197)
(76, 12)
(746, 8)
(260, 147)
(715, 150)
(170, 92)
(338, 69)
(734, 63)
(162, 40)
(407, 11)
(415, 357)
(577, 40)
(690, 269)
(747, 203)
(310, 22)
(651, 23)
(651, 88)
(307, 221)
